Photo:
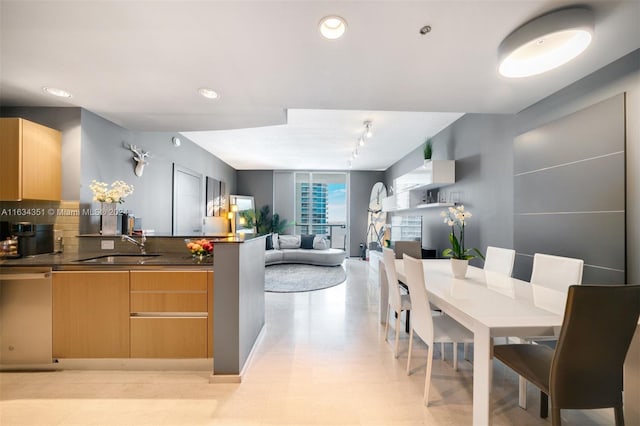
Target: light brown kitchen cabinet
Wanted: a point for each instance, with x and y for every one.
(169, 314)
(210, 313)
(90, 314)
(31, 161)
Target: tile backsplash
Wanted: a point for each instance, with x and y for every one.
(64, 215)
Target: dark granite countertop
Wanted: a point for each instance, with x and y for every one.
(106, 260)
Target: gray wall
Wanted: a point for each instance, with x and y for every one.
(284, 199)
(67, 121)
(570, 192)
(360, 184)
(239, 303)
(104, 158)
(620, 76)
(257, 183)
(481, 144)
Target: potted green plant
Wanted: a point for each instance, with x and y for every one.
(456, 218)
(264, 222)
(428, 149)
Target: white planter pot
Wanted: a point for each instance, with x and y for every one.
(459, 268)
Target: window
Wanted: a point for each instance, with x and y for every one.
(321, 205)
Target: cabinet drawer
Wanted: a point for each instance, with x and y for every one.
(168, 337)
(195, 301)
(169, 281)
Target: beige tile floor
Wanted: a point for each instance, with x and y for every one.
(323, 361)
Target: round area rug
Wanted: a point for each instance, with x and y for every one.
(289, 278)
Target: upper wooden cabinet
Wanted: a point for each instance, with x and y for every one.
(31, 161)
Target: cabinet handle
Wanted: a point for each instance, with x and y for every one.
(169, 314)
(7, 277)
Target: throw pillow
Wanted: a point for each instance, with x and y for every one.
(320, 243)
(306, 241)
(289, 241)
(268, 243)
(275, 241)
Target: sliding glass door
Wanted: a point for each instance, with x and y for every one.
(321, 205)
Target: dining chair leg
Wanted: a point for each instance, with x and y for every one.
(409, 355)
(619, 415)
(544, 405)
(427, 380)
(455, 356)
(522, 392)
(386, 325)
(397, 335)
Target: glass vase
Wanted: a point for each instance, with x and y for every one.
(108, 218)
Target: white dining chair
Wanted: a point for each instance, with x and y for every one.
(556, 272)
(499, 260)
(398, 302)
(551, 277)
(429, 328)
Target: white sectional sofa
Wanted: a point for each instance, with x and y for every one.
(308, 249)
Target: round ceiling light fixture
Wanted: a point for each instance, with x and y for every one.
(54, 91)
(546, 42)
(332, 27)
(176, 141)
(208, 93)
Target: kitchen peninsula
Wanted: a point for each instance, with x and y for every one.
(232, 315)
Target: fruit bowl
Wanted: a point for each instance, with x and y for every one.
(202, 247)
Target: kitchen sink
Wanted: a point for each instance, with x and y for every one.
(124, 258)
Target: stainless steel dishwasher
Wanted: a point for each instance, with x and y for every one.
(25, 318)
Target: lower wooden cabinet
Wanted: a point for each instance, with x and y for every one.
(137, 314)
(90, 314)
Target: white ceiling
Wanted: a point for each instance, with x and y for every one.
(139, 64)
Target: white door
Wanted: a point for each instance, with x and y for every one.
(188, 209)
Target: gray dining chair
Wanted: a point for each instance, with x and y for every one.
(412, 248)
(550, 280)
(585, 370)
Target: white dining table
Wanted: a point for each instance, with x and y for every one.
(489, 305)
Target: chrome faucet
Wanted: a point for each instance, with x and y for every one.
(140, 243)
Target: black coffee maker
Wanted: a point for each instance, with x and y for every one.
(33, 239)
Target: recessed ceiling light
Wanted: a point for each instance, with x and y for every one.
(208, 93)
(546, 42)
(56, 92)
(332, 27)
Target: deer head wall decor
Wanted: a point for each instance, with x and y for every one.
(140, 157)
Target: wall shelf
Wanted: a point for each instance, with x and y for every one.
(432, 205)
(431, 174)
(411, 186)
(423, 206)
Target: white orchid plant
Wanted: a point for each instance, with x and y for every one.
(456, 217)
(114, 194)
